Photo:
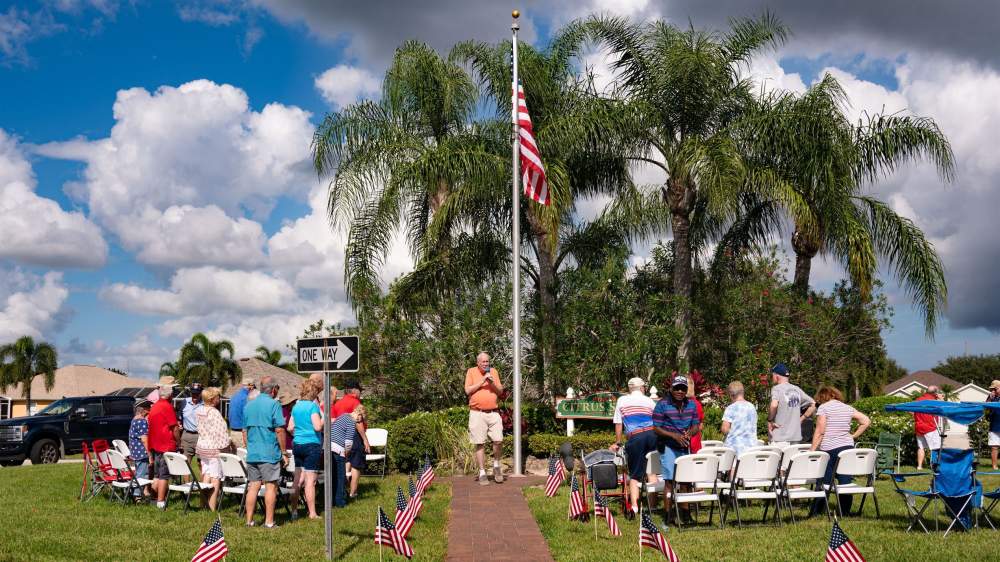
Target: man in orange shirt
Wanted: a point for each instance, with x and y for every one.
(483, 387)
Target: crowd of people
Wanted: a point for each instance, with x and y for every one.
(266, 426)
(672, 426)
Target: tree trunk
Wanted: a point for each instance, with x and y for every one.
(546, 254)
(805, 250)
(680, 197)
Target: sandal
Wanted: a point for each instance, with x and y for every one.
(271, 526)
(252, 524)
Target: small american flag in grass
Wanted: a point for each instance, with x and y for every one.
(601, 509)
(577, 507)
(650, 536)
(555, 479)
(404, 513)
(387, 534)
(213, 547)
(426, 476)
(841, 548)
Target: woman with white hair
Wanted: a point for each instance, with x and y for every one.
(633, 419)
(213, 437)
(739, 421)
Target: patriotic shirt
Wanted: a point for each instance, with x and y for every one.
(342, 434)
(671, 418)
(635, 412)
(138, 429)
(838, 425)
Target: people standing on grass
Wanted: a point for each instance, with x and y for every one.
(236, 405)
(138, 441)
(926, 428)
(739, 420)
(189, 420)
(356, 460)
(784, 416)
(633, 419)
(675, 420)
(994, 417)
(483, 387)
(265, 429)
(213, 438)
(833, 435)
(306, 425)
(164, 434)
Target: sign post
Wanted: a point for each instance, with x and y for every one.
(333, 354)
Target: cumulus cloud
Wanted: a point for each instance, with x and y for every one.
(31, 305)
(344, 84)
(140, 357)
(206, 290)
(34, 229)
(182, 167)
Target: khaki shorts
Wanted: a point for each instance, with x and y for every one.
(237, 439)
(189, 441)
(483, 425)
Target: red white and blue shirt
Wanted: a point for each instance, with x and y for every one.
(635, 412)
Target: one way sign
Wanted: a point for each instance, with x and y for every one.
(332, 354)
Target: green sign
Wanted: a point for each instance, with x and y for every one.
(597, 406)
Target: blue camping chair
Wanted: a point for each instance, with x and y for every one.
(953, 485)
(911, 497)
(993, 497)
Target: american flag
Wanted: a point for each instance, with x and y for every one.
(532, 170)
(387, 534)
(556, 477)
(413, 488)
(405, 516)
(213, 547)
(841, 548)
(577, 507)
(426, 476)
(650, 536)
(601, 509)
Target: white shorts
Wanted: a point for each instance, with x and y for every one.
(930, 441)
(994, 439)
(211, 468)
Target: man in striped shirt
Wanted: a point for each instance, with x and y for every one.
(342, 431)
(634, 417)
(675, 420)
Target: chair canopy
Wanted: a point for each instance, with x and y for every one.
(964, 413)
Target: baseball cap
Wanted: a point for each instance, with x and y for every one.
(352, 383)
(636, 382)
(780, 369)
(195, 388)
(679, 381)
(995, 384)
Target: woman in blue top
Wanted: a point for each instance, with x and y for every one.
(739, 421)
(306, 422)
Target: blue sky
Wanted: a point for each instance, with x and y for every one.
(173, 138)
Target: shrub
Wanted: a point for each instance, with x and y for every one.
(413, 437)
(876, 405)
(545, 444)
(711, 425)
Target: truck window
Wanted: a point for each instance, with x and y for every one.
(118, 408)
(92, 409)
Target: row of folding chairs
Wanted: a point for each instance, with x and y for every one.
(772, 474)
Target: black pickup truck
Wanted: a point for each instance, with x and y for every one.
(62, 427)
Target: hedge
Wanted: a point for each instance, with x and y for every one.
(546, 444)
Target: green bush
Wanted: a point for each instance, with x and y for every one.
(712, 424)
(413, 437)
(876, 405)
(545, 444)
(895, 422)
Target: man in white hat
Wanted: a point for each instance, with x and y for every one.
(633, 418)
(994, 417)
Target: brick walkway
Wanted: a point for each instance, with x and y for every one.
(493, 522)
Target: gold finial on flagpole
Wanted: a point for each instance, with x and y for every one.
(516, 14)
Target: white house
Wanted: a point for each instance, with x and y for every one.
(921, 380)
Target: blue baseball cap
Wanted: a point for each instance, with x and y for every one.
(679, 381)
(780, 369)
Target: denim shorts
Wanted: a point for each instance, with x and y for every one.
(308, 456)
(668, 457)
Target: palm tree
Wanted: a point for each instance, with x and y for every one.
(829, 160)
(273, 357)
(690, 101)
(396, 161)
(22, 361)
(170, 369)
(208, 362)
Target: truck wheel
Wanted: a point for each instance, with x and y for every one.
(45, 451)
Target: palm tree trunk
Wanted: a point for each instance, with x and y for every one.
(547, 299)
(805, 250)
(680, 198)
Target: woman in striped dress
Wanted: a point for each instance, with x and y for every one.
(833, 435)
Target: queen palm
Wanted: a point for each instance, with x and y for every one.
(207, 362)
(395, 161)
(23, 360)
(690, 100)
(830, 161)
(273, 357)
(169, 369)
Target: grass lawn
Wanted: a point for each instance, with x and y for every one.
(45, 521)
(878, 539)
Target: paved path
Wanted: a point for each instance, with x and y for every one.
(493, 522)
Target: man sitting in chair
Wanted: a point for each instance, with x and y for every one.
(675, 420)
(634, 417)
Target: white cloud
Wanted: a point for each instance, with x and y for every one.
(206, 290)
(343, 85)
(31, 305)
(184, 164)
(34, 229)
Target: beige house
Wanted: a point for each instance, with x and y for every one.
(921, 380)
(71, 380)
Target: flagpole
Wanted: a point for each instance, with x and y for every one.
(640, 531)
(515, 211)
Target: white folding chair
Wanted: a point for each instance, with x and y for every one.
(122, 448)
(711, 443)
(789, 451)
(125, 480)
(234, 478)
(653, 469)
(756, 478)
(378, 437)
(727, 457)
(692, 470)
(855, 463)
(805, 469)
(178, 467)
(241, 452)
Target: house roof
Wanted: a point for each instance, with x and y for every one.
(255, 369)
(924, 378)
(78, 380)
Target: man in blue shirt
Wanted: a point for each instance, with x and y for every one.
(675, 420)
(265, 428)
(189, 421)
(236, 405)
